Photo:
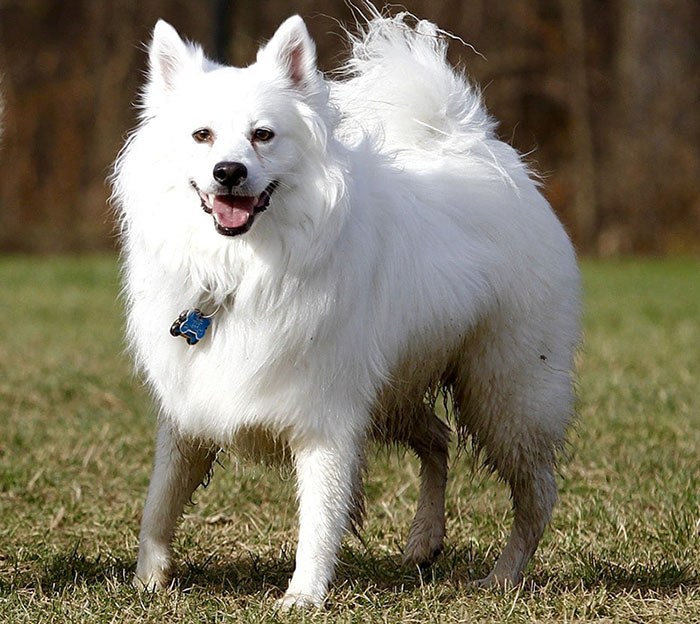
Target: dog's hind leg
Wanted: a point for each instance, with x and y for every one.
(534, 495)
(517, 407)
(180, 466)
(429, 439)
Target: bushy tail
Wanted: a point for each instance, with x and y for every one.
(399, 84)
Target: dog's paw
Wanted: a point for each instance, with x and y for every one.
(298, 601)
(423, 546)
(156, 581)
(496, 581)
(153, 566)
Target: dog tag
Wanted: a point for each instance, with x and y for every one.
(192, 325)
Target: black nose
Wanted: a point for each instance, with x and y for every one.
(230, 173)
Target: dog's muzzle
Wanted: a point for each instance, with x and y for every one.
(233, 213)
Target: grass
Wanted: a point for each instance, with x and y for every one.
(76, 437)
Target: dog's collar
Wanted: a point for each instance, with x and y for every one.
(192, 325)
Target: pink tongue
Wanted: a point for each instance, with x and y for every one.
(232, 212)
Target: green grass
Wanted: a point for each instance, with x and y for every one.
(76, 437)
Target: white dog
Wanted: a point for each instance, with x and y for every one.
(355, 246)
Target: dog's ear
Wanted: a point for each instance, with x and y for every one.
(168, 58)
(292, 50)
(167, 55)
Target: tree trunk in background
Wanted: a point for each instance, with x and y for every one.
(221, 27)
(583, 176)
(632, 176)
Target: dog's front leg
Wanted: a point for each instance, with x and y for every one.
(325, 474)
(180, 466)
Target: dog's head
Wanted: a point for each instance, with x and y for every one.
(236, 137)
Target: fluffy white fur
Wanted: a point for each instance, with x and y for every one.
(405, 249)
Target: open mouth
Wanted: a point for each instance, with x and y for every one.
(234, 214)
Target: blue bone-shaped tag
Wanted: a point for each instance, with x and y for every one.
(192, 325)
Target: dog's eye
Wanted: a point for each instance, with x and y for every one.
(262, 134)
(203, 135)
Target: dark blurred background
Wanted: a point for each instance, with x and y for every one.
(603, 96)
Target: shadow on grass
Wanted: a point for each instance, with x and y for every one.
(247, 573)
(358, 569)
(59, 571)
(662, 576)
(365, 570)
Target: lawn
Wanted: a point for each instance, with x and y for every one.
(76, 437)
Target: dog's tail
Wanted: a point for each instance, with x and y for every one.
(399, 83)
